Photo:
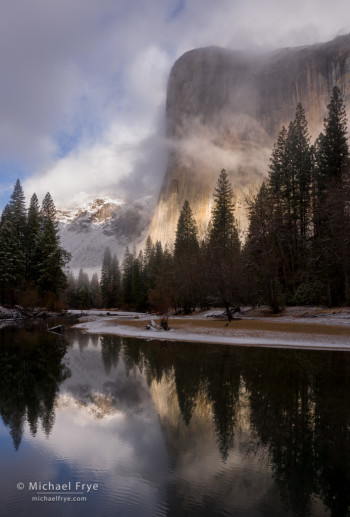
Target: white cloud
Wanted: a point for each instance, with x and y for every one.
(88, 170)
(95, 71)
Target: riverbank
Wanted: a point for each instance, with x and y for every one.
(296, 327)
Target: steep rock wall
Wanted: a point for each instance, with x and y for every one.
(224, 110)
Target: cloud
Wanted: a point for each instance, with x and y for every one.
(83, 83)
(89, 169)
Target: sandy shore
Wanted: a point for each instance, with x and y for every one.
(327, 330)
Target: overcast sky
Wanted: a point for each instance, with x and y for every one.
(83, 82)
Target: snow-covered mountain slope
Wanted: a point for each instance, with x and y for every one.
(86, 231)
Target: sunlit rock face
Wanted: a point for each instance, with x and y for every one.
(224, 110)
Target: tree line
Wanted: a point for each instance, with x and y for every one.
(32, 261)
(295, 250)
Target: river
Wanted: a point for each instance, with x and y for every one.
(94, 425)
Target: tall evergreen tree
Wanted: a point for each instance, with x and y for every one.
(186, 239)
(32, 238)
(11, 261)
(30, 253)
(137, 281)
(106, 278)
(331, 216)
(333, 156)
(128, 264)
(186, 251)
(223, 250)
(148, 259)
(48, 210)
(95, 291)
(290, 177)
(12, 239)
(6, 214)
(262, 260)
(278, 165)
(223, 233)
(18, 211)
(52, 258)
(299, 153)
(83, 290)
(115, 282)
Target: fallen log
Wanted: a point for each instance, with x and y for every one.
(58, 329)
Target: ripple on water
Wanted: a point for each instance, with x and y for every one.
(136, 497)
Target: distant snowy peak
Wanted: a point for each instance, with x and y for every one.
(86, 230)
(98, 210)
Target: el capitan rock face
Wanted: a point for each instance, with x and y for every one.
(224, 110)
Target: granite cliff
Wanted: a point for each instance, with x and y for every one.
(224, 109)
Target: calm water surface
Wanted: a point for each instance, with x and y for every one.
(170, 428)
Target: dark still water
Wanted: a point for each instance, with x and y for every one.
(148, 428)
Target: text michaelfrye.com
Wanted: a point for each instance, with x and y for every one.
(58, 492)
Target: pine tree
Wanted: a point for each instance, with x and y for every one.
(148, 258)
(12, 239)
(83, 290)
(300, 169)
(11, 261)
(331, 212)
(115, 282)
(261, 258)
(186, 240)
(159, 295)
(278, 166)
(106, 278)
(333, 156)
(158, 258)
(186, 251)
(71, 293)
(127, 282)
(223, 250)
(149, 250)
(32, 238)
(290, 177)
(137, 289)
(6, 214)
(223, 234)
(30, 254)
(18, 211)
(95, 291)
(52, 258)
(48, 210)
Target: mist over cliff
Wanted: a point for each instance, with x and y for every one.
(225, 108)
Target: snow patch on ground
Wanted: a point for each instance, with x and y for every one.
(225, 336)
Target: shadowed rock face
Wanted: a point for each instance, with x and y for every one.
(224, 110)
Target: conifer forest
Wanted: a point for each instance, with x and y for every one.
(295, 250)
(32, 261)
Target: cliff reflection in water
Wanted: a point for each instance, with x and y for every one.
(295, 405)
(249, 425)
(31, 371)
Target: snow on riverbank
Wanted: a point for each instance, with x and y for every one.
(327, 333)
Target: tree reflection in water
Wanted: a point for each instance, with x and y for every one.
(299, 409)
(31, 370)
(110, 348)
(296, 404)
